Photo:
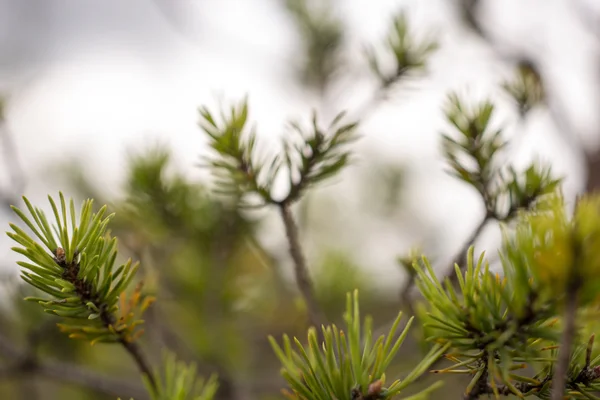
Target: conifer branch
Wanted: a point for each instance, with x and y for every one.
(80, 276)
(309, 157)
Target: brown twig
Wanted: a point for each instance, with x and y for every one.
(303, 280)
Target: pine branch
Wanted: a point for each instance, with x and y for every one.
(309, 157)
(591, 155)
(312, 371)
(84, 290)
(81, 277)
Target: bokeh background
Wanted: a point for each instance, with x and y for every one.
(101, 101)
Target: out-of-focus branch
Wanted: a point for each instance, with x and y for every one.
(23, 363)
(592, 156)
(162, 333)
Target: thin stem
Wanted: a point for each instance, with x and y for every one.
(559, 379)
(300, 268)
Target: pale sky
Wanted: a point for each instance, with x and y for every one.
(95, 79)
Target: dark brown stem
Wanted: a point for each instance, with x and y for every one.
(300, 268)
(559, 379)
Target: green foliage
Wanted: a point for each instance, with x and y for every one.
(205, 261)
(524, 189)
(561, 249)
(526, 89)
(322, 36)
(336, 275)
(409, 55)
(75, 265)
(160, 204)
(478, 147)
(315, 155)
(178, 381)
(476, 140)
(348, 364)
(405, 262)
(309, 157)
(201, 256)
(496, 325)
(488, 316)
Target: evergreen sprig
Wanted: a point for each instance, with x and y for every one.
(316, 154)
(559, 248)
(477, 141)
(492, 323)
(409, 54)
(76, 265)
(526, 89)
(348, 364)
(499, 324)
(323, 36)
(310, 156)
(474, 157)
(524, 189)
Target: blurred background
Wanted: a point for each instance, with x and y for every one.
(101, 100)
